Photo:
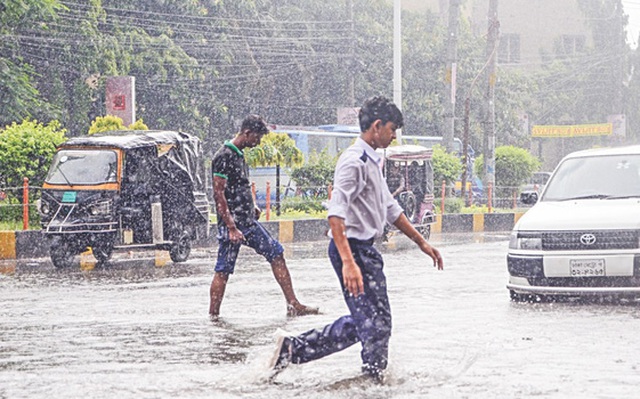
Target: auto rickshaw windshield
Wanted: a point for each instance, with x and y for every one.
(83, 167)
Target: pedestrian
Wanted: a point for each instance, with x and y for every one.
(238, 216)
(360, 206)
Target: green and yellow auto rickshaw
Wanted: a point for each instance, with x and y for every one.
(125, 189)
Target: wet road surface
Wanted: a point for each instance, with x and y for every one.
(135, 330)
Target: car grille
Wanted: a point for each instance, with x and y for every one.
(604, 239)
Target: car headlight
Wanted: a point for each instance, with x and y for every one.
(529, 241)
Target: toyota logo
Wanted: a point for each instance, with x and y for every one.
(588, 239)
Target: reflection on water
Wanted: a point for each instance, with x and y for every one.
(130, 329)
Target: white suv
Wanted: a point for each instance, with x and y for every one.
(582, 237)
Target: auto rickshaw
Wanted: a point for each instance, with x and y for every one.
(125, 189)
(409, 174)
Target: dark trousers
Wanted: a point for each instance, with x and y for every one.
(370, 318)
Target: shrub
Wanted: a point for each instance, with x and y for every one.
(514, 167)
(451, 205)
(446, 166)
(26, 150)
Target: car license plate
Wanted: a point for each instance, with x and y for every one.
(586, 267)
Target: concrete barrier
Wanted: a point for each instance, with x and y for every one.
(34, 244)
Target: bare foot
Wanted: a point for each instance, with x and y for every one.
(301, 310)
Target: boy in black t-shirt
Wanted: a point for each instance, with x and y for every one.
(238, 219)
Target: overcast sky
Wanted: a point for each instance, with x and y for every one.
(632, 8)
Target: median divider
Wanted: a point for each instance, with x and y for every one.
(33, 243)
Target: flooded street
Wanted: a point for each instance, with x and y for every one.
(134, 330)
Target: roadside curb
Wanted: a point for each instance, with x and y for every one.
(33, 243)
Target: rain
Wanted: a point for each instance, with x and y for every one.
(515, 158)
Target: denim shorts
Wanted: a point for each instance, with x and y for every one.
(255, 236)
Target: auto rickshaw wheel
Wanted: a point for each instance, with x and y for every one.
(102, 251)
(425, 228)
(181, 248)
(61, 256)
(425, 231)
(407, 201)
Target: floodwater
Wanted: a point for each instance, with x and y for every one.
(134, 330)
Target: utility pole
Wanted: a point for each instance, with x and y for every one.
(352, 59)
(489, 138)
(450, 76)
(397, 60)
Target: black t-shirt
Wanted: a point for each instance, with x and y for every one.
(228, 163)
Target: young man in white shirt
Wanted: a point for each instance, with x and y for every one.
(360, 206)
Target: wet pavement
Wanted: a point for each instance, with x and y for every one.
(132, 329)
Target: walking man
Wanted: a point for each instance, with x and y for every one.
(238, 217)
(360, 206)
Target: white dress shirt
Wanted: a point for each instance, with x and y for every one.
(360, 194)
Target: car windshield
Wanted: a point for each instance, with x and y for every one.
(604, 177)
(83, 167)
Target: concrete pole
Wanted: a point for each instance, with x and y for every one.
(397, 60)
(489, 139)
(450, 76)
(352, 74)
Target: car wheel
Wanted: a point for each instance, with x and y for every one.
(61, 256)
(181, 248)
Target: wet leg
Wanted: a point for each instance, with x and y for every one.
(281, 273)
(216, 292)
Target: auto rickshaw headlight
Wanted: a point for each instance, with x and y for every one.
(101, 208)
(44, 208)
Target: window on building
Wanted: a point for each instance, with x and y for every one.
(509, 49)
(571, 44)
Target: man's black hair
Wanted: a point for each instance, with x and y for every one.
(255, 124)
(379, 108)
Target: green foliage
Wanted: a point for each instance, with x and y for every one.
(315, 176)
(275, 149)
(475, 209)
(190, 57)
(446, 166)
(514, 167)
(302, 204)
(451, 205)
(106, 124)
(26, 150)
(138, 125)
(11, 217)
(110, 123)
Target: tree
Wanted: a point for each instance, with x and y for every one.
(514, 167)
(19, 95)
(446, 166)
(316, 174)
(113, 123)
(106, 124)
(275, 149)
(26, 150)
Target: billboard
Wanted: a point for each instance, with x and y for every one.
(121, 98)
(595, 129)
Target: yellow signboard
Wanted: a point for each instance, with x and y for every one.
(596, 129)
